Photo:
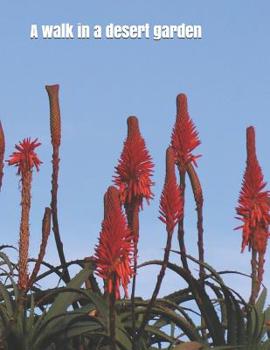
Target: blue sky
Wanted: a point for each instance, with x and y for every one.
(226, 76)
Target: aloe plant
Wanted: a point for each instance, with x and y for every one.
(78, 315)
(23, 326)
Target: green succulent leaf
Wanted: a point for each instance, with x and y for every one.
(7, 300)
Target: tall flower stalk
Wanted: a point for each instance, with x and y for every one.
(171, 211)
(25, 159)
(46, 229)
(2, 153)
(198, 197)
(254, 211)
(114, 253)
(133, 179)
(184, 140)
(133, 173)
(55, 127)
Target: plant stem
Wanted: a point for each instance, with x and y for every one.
(133, 221)
(133, 300)
(261, 262)
(55, 225)
(46, 229)
(158, 284)
(24, 228)
(112, 317)
(55, 125)
(254, 280)
(200, 240)
(198, 197)
(181, 231)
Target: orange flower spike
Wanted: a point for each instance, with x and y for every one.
(55, 119)
(135, 167)
(2, 153)
(171, 201)
(185, 137)
(114, 251)
(254, 203)
(25, 158)
(171, 210)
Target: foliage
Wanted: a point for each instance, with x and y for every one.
(79, 315)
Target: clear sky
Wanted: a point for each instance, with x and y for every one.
(226, 76)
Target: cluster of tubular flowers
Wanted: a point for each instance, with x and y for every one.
(171, 201)
(184, 140)
(25, 157)
(135, 167)
(185, 137)
(114, 252)
(254, 210)
(254, 202)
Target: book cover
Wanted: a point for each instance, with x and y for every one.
(203, 65)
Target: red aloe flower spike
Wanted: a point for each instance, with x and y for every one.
(185, 137)
(171, 210)
(55, 117)
(135, 167)
(2, 153)
(133, 179)
(114, 252)
(254, 211)
(184, 140)
(171, 202)
(254, 203)
(25, 159)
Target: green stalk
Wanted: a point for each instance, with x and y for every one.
(112, 317)
(24, 229)
(181, 232)
(198, 197)
(55, 226)
(133, 222)
(158, 284)
(55, 125)
(254, 279)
